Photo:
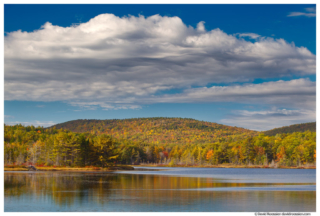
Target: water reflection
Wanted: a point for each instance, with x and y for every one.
(94, 191)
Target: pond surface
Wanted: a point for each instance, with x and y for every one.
(162, 190)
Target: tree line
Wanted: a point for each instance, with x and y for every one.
(292, 128)
(60, 147)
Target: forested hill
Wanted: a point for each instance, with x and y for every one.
(292, 128)
(159, 130)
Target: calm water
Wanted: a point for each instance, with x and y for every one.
(172, 189)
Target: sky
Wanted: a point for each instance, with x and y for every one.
(250, 66)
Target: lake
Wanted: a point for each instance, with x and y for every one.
(162, 190)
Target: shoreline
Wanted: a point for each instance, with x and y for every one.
(106, 169)
(130, 167)
(127, 167)
(231, 166)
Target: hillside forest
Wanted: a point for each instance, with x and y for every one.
(292, 128)
(168, 141)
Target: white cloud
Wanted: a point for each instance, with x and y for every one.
(311, 9)
(200, 27)
(8, 116)
(34, 123)
(297, 96)
(250, 35)
(120, 63)
(103, 105)
(299, 93)
(269, 119)
(311, 13)
(301, 14)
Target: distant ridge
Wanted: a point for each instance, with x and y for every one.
(292, 128)
(159, 129)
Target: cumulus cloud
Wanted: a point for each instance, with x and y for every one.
(121, 62)
(269, 119)
(311, 12)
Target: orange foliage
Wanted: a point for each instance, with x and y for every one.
(281, 154)
(209, 154)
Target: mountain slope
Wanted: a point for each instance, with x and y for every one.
(292, 128)
(160, 130)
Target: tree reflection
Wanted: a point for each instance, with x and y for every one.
(152, 191)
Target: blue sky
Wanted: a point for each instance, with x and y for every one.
(250, 66)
